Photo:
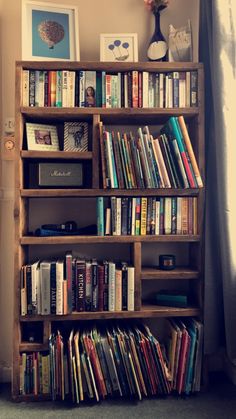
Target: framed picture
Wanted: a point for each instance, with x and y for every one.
(75, 136)
(118, 47)
(49, 31)
(42, 137)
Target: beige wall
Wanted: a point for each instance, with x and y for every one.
(95, 17)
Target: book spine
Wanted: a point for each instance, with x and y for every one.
(53, 286)
(111, 287)
(193, 88)
(105, 287)
(82, 88)
(31, 88)
(80, 285)
(94, 285)
(88, 286)
(58, 89)
(118, 290)
(100, 216)
(130, 288)
(143, 228)
(59, 287)
(68, 267)
(25, 88)
(124, 287)
(135, 89)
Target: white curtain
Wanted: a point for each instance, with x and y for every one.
(218, 52)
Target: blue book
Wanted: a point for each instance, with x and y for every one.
(100, 216)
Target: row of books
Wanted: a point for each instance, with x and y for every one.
(86, 88)
(146, 216)
(164, 160)
(74, 284)
(127, 361)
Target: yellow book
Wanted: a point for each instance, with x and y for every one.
(143, 230)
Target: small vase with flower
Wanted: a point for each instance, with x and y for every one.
(157, 50)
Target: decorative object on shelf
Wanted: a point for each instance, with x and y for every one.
(180, 43)
(76, 136)
(119, 47)
(166, 262)
(172, 298)
(157, 50)
(49, 31)
(42, 137)
(61, 175)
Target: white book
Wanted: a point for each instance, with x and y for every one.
(126, 105)
(145, 89)
(36, 302)
(157, 221)
(59, 286)
(65, 88)
(111, 286)
(167, 215)
(166, 83)
(182, 89)
(45, 267)
(118, 290)
(179, 215)
(130, 288)
(119, 90)
(71, 89)
(133, 216)
(118, 216)
(108, 222)
(25, 88)
(170, 90)
(161, 90)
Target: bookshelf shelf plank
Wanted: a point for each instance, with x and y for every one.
(58, 113)
(145, 312)
(56, 155)
(177, 273)
(32, 240)
(32, 347)
(41, 193)
(110, 66)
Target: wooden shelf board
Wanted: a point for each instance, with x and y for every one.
(110, 113)
(109, 66)
(25, 154)
(32, 240)
(44, 193)
(145, 312)
(32, 347)
(31, 397)
(149, 273)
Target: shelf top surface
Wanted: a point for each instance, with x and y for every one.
(99, 65)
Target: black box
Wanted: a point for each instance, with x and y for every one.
(59, 175)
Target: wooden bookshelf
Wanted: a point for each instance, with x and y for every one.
(26, 242)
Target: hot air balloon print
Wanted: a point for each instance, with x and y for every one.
(51, 32)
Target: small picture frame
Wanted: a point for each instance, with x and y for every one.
(76, 136)
(119, 47)
(42, 137)
(49, 31)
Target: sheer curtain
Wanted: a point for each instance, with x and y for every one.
(218, 52)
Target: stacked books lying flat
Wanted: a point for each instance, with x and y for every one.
(75, 285)
(146, 216)
(89, 88)
(99, 363)
(142, 161)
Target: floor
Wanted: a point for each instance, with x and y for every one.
(218, 402)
